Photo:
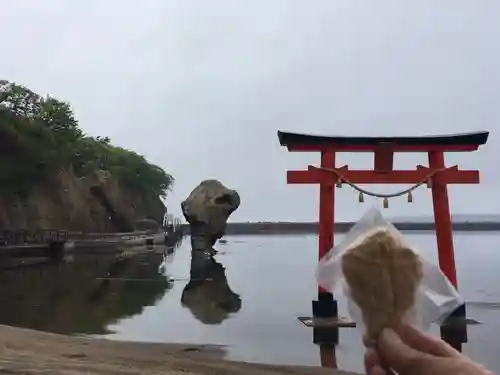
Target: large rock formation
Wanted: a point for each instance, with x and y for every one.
(206, 210)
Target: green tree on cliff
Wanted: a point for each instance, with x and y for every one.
(39, 136)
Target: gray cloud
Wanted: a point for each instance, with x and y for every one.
(200, 88)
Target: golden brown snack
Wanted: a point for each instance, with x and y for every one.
(383, 277)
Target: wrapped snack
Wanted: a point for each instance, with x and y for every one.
(383, 277)
(385, 280)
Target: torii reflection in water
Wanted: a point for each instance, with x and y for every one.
(208, 295)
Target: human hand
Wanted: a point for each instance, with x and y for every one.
(413, 352)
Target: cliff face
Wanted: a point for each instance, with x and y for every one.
(92, 204)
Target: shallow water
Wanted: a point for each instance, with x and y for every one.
(252, 308)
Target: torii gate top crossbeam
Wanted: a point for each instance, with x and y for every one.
(444, 143)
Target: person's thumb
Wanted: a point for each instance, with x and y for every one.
(396, 354)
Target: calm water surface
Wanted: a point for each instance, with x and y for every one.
(251, 307)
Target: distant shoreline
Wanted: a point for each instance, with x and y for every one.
(256, 228)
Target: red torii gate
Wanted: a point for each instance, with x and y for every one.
(436, 175)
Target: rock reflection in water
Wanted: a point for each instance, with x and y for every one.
(82, 296)
(208, 295)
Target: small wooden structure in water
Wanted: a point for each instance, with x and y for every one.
(436, 176)
(171, 222)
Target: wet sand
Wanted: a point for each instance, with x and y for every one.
(32, 352)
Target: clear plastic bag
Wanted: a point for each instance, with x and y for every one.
(380, 284)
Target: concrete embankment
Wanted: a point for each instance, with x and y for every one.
(90, 243)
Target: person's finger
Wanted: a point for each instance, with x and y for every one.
(371, 360)
(426, 343)
(377, 370)
(395, 354)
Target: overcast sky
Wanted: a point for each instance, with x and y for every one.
(201, 87)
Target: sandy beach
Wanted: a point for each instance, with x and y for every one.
(32, 352)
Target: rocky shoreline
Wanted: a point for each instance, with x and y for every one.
(33, 352)
(257, 228)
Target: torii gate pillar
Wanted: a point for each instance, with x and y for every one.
(436, 175)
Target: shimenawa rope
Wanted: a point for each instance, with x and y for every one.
(362, 191)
